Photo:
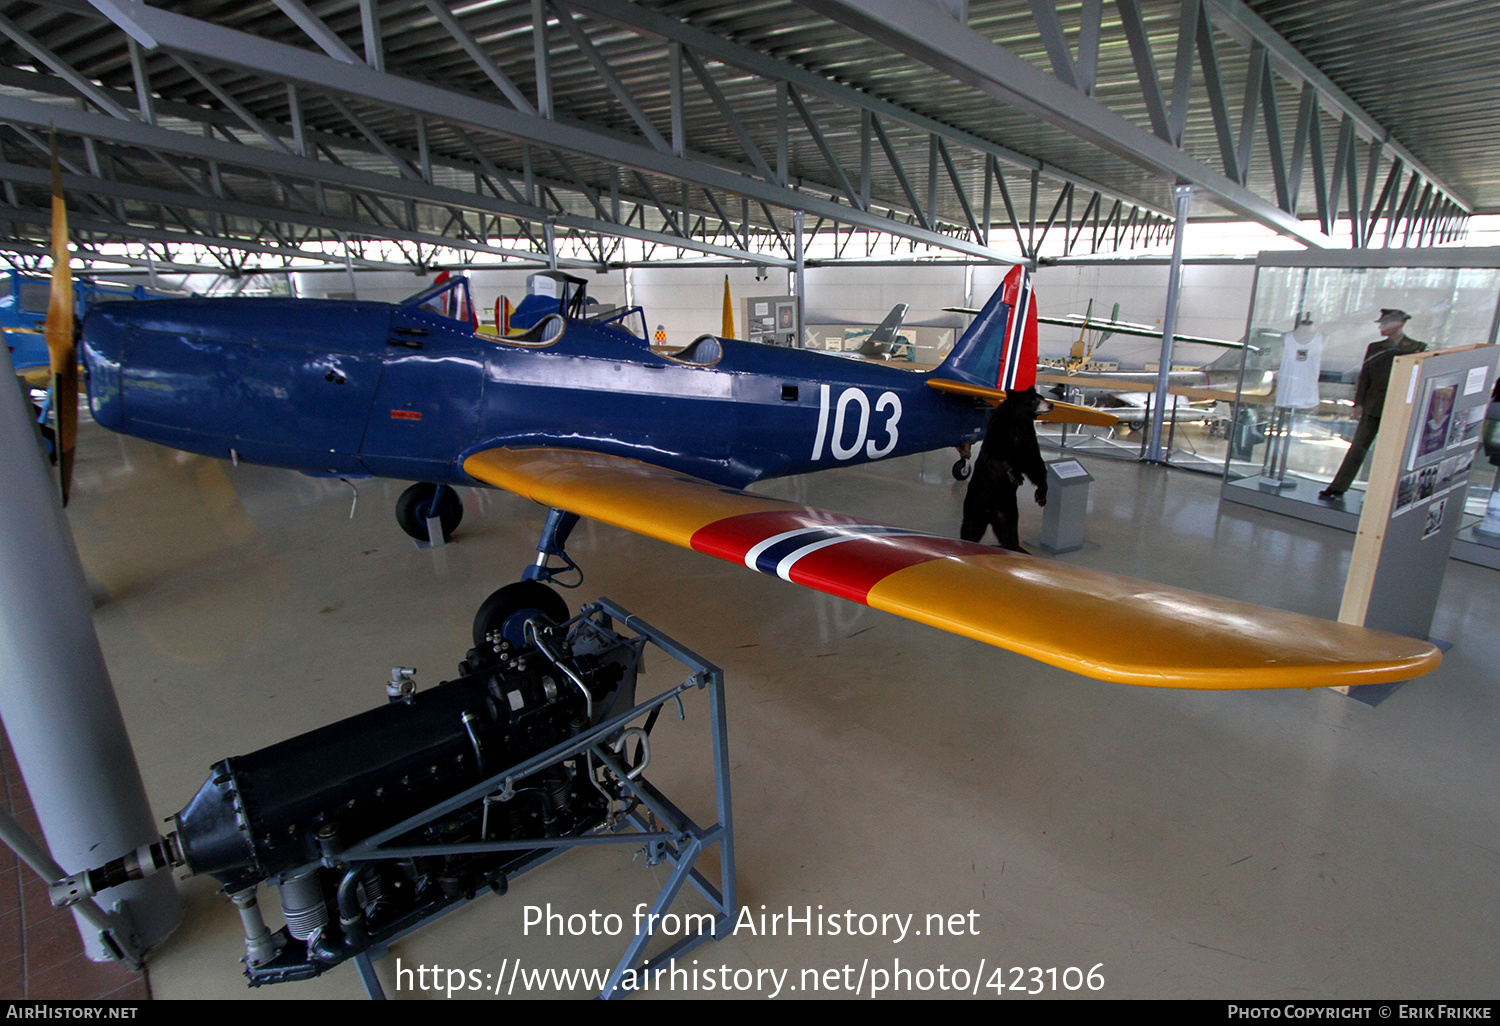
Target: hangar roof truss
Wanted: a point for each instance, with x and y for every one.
(393, 133)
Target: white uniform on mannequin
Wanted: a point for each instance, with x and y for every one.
(1301, 362)
(1296, 389)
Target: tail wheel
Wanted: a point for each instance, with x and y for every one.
(424, 500)
(961, 470)
(508, 609)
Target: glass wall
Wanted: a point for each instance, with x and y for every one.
(1310, 331)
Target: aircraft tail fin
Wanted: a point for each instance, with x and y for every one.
(885, 332)
(999, 349)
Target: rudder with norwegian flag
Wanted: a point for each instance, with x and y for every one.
(999, 349)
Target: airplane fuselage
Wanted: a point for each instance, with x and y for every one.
(365, 388)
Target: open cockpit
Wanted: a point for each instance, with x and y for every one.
(552, 299)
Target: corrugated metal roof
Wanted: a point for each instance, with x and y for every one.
(1420, 68)
(1427, 71)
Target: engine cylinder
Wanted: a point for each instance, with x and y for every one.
(304, 906)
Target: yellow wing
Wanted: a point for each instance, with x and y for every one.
(1135, 633)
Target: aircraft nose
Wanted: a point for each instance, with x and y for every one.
(101, 347)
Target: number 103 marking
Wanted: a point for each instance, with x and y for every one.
(855, 397)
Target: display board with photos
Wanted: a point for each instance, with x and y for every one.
(1449, 418)
(1431, 425)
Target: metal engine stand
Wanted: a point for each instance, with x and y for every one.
(373, 826)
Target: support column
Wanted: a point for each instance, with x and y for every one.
(349, 267)
(1184, 197)
(56, 699)
(797, 218)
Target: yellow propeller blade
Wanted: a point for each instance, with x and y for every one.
(60, 344)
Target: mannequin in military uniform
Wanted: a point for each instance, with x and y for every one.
(1369, 395)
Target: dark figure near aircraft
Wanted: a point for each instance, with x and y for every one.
(1008, 455)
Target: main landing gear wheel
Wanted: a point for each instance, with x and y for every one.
(961, 469)
(508, 609)
(424, 500)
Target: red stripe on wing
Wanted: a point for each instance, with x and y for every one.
(733, 537)
(849, 569)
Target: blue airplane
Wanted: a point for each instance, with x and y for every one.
(412, 391)
(577, 412)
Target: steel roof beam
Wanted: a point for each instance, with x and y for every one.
(636, 16)
(64, 70)
(1246, 27)
(210, 242)
(730, 117)
(969, 57)
(169, 199)
(829, 158)
(250, 120)
(607, 75)
(302, 138)
(88, 257)
(261, 56)
(327, 40)
(128, 234)
(476, 54)
(153, 138)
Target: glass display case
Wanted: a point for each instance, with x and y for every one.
(1313, 319)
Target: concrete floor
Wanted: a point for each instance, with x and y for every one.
(1290, 844)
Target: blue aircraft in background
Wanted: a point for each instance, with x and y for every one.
(578, 412)
(23, 313)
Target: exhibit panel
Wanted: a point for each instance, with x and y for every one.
(1431, 424)
(1322, 332)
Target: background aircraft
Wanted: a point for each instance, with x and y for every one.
(1090, 337)
(1117, 327)
(1128, 394)
(1112, 326)
(1221, 372)
(883, 342)
(23, 314)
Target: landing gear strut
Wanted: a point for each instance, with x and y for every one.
(503, 616)
(560, 524)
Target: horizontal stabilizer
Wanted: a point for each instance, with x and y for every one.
(1095, 623)
(1113, 327)
(1061, 412)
